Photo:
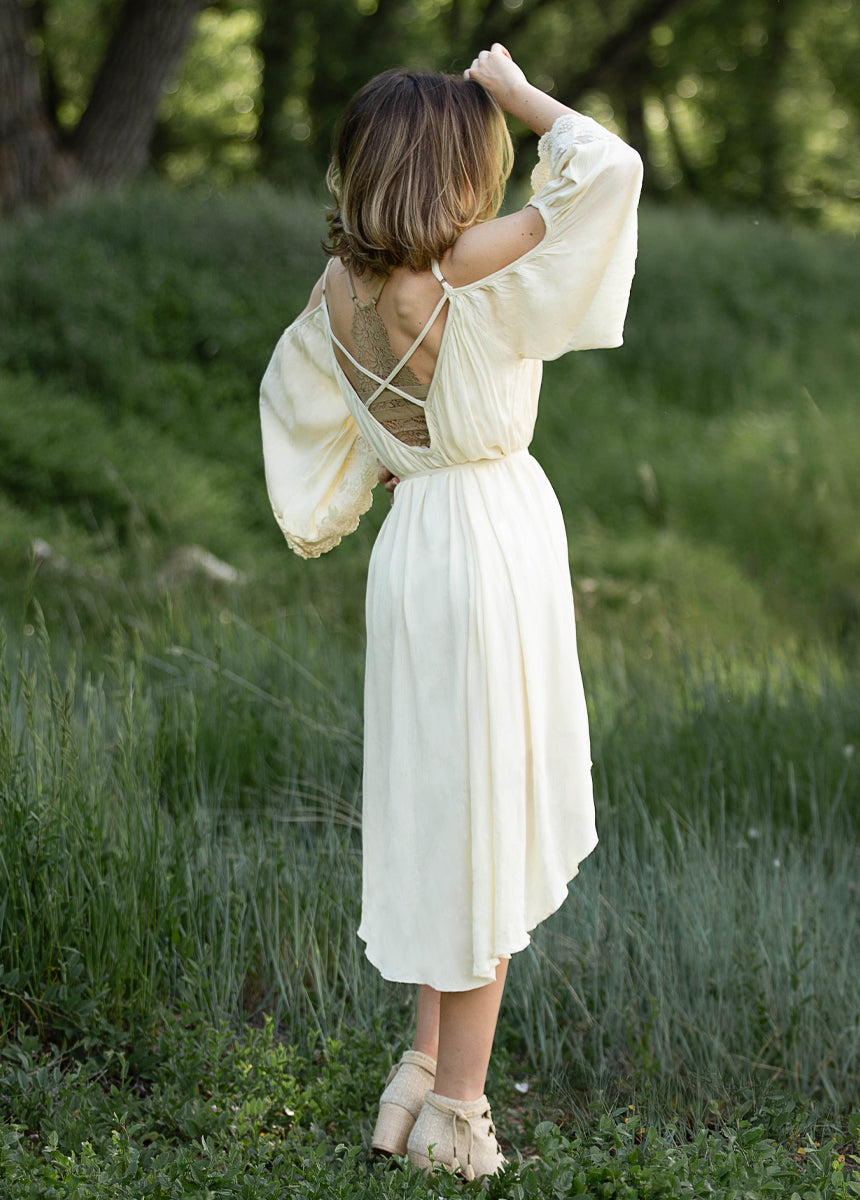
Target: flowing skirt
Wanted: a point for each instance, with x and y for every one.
(477, 797)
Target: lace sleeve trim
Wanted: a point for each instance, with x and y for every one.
(350, 500)
(568, 129)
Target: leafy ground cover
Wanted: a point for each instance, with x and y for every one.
(178, 961)
(201, 1112)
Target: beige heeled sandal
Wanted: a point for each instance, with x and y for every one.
(459, 1134)
(406, 1086)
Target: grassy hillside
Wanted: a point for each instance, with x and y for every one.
(707, 470)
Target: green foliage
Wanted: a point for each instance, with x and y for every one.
(202, 1112)
(137, 328)
(717, 939)
(743, 102)
(732, 397)
(209, 115)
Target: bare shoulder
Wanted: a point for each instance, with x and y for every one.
(488, 247)
(315, 298)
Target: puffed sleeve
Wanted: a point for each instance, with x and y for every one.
(320, 471)
(571, 291)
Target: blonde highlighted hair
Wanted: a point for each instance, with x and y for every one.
(418, 158)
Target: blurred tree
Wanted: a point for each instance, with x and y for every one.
(754, 102)
(210, 114)
(38, 159)
(281, 35)
(717, 81)
(316, 55)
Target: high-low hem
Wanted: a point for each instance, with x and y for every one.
(448, 983)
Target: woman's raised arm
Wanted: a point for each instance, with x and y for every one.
(557, 273)
(499, 75)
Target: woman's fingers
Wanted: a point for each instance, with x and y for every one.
(385, 477)
(495, 70)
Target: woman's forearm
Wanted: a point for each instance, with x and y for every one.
(533, 107)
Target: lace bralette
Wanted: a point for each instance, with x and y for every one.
(373, 348)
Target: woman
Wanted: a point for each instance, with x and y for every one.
(420, 350)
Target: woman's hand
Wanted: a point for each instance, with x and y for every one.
(497, 73)
(388, 481)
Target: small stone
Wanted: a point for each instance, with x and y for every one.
(188, 561)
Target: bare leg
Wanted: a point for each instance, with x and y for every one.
(427, 1023)
(467, 1025)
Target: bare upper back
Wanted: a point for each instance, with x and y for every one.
(404, 307)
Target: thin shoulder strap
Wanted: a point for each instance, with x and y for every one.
(386, 383)
(374, 299)
(437, 271)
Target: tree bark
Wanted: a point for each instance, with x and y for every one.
(111, 142)
(33, 166)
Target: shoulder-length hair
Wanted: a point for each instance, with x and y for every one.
(418, 157)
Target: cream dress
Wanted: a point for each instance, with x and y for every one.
(477, 798)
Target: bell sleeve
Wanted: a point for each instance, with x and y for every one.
(570, 292)
(320, 471)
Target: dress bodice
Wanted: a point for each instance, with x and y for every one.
(323, 434)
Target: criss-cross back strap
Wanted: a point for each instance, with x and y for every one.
(386, 384)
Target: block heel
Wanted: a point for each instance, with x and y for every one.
(406, 1086)
(393, 1127)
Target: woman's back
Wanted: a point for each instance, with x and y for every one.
(384, 322)
(404, 305)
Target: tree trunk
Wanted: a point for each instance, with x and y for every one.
(278, 41)
(111, 142)
(769, 127)
(33, 166)
(618, 49)
(689, 175)
(629, 87)
(609, 61)
(351, 48)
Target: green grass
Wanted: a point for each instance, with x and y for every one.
(715, 931)
(707, 469)
(180, 762)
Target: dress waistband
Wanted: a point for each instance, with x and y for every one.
(478, 462)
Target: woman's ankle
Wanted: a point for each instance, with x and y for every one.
(459, 1088)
